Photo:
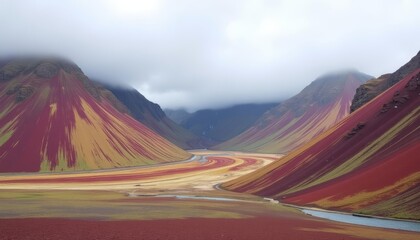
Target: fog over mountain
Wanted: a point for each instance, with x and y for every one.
(211, 54)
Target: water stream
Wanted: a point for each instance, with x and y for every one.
(201, 197)
(366, 221)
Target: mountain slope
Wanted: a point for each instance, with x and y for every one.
(297, 120)
(367, 163)
(151, 115)
(53, 118)
(222, 124)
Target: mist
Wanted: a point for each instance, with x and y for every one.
(212, 54)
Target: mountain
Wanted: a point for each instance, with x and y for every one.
(178, 115)
(53, 118)
(367, 163)
(222, 124)
(374, 87)
(299, 119)
(151, 115)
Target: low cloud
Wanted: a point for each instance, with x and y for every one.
(210, 54)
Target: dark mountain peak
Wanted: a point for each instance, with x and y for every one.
(368, 91)
(46, 67)
(43, 68)
(409, 67)
(138, 104)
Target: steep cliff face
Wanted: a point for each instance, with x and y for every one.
(53, 118)
(368, 91)
(374, 87)
(299, 119)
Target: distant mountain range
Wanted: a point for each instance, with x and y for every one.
(299, 119)
(221, 124)
(367, 163)
(53, 118)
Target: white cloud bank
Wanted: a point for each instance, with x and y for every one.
(201, 54)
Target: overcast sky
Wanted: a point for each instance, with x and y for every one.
(207, 54)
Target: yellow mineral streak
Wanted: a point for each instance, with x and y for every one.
(61, 165)
(309, 129)
(365, 198)
(6, 110)
(53, 109)
(369, 150)
(362, 156)
(297, 137)
(7, 130)
(94, 145)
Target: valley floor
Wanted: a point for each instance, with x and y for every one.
(170, 201)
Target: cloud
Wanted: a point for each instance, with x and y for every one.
(209, 54)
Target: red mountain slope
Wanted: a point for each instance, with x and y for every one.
(301, 118)
(53, 118)
(368, 163)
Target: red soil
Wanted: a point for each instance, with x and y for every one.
(402, 163)
(259, 228)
